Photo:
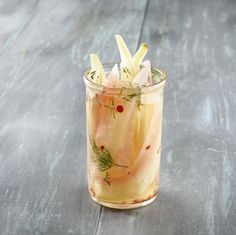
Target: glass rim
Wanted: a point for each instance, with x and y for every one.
(96, 86)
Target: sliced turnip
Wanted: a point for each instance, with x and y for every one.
(147, 66)
(112, 79)
(144, 76)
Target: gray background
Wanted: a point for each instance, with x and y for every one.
(44, 48)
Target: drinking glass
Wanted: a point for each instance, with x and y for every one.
(124, 126)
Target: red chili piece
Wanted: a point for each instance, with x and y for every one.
(119, 108)
(102, 147)
(148, 147)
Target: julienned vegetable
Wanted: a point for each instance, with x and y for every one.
(132, 69)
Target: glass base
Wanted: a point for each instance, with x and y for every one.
(124, 206)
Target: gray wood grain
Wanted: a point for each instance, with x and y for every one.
(44, 51)
(15, 16)
(194, 41)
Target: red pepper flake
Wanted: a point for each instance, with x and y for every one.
(102, 147)
(148, 147)
(119, 108)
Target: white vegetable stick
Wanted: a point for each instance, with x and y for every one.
(124, 51)
(142, 51)
(127, 65)
(97, 66)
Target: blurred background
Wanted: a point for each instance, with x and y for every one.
(44, 50)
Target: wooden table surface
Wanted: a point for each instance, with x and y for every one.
(44, 48)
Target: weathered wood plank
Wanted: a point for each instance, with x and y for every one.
(42, 122)
(14, 17)
(194, 41)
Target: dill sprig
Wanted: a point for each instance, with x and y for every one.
(107, 178)
(134, 95)
(113, 110)
(92, 74)
(126, 70)
(102, 157)
(141, 66)
(112, 107)
(121, 90)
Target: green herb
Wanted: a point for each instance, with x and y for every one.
(112, 108)
(136, 95)
(113, 111)
(121, 90)
(93, 74)
(139, 103)
(102, 157)
(141, 66)
(145, 45)
(107, 178)
(126, 70)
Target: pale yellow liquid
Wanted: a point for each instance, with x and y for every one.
(133, 138)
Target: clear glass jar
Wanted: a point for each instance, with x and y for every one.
(124, 141)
